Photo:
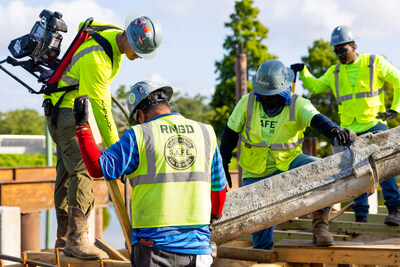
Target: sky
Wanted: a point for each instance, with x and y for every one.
(194, 33)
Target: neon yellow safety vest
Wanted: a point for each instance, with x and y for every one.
(364, 103)
(285, 144)
(172, 184)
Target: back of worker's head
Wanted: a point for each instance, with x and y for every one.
(342, 35)
(147, 96)
(272, 78)
(144, 35)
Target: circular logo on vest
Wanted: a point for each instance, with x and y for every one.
(180, 152)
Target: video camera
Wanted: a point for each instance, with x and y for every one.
(43, 43)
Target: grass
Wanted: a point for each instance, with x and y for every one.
(23, 160)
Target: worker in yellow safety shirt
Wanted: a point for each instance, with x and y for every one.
(175, 169)
(357, 83)
(90, 72)
(271, 122)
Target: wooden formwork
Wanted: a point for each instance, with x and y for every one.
(356, 244)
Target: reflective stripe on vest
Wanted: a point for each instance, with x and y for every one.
(153, 178)
(283, 146)
(371, 93)
(69, 80)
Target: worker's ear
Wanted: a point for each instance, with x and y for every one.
(140, 117)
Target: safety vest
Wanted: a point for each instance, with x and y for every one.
(367, 99)
(285, 144)
(172, 184)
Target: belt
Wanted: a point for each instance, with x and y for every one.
(146, 242)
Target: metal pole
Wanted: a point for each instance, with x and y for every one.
(49, 162)
(241, 89)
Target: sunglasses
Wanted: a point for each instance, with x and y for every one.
(342, 51)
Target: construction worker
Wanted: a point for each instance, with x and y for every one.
(357, 82)
(173, 164)
(271, 122)
(90, 72)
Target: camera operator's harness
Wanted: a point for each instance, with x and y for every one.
(50, 78)
(87, 30)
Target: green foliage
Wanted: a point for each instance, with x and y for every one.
(192, 107)
(26, 121)
(24, 160)
(119, 117)
(318, 61)
(250, 32)
(220, 119)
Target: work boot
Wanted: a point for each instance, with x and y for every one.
(78, 244)
(393, 219)
(321, 235)
(361, 219)
(62, 223)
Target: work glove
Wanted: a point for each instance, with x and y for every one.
(227, 174)
(297, 67)
(342, 135)
(390, 114)
(213, 219)
(81, 110)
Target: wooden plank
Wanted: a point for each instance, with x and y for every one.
(345, 227)
(32, 196)
(37, 173)
(247, 254)
(112, 253)
(341, 253)
(280, 235)
(74, 262)
(6, 174)
(372, 218)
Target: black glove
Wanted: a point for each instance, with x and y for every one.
(81, 110)
(342, 135)
(227, 174)
(213, 219)
(297, 67)
(390, 114)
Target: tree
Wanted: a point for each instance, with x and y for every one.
(318, 61)
(192, 107)
(120, 119)
(250, 32)
(26, 121)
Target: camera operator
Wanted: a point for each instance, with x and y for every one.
(91, 70)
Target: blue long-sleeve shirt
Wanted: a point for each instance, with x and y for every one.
(123, 158)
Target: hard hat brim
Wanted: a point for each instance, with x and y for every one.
(276, 91)
(340, 43)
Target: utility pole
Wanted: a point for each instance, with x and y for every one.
(241, 89)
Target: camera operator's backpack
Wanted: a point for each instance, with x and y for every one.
(87, 30)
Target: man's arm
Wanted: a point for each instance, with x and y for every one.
(229, 141)
(121, 158)
(218, 185)
(95, 81)
(314, 85)
(331, 130)
(90, 152)
(390, 74)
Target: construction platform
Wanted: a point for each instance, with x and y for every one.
(356, 244)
